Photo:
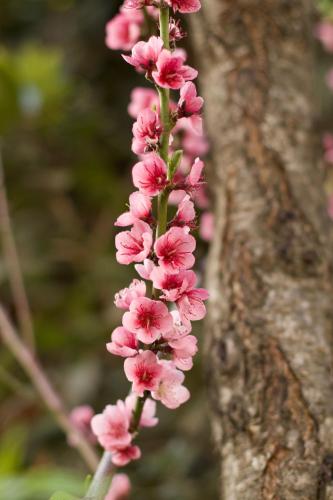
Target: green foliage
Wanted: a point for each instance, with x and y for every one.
(326, 7)
(60, 495)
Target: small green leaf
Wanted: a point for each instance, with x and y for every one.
(175, 162)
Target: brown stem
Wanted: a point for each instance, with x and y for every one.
(45, 389)
(13, 265)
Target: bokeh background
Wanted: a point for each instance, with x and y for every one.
(65, 137)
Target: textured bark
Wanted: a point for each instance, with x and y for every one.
(270, 326)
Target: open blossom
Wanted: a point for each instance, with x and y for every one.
(123, 343)
(144, 371)
(124, 30)
(148, 418)
(184, 6)
(137, 4)
(191, 306)
(193, 142)
(81, 419)
(142, 98)
(146, 132)
(174, 249)
(145, 54)
(189, 105)
(150, 175)
(139, 208)
(183, 350)
(120, 487)
(112, 427)
(171, 73)
(124, 297)
(148, 319)
(170, 390)
(134, 245)
(173, 285)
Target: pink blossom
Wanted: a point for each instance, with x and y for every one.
(134, 245)
(173, 285)
(139, 208)
(200, 197)
(176, 31)
(328, 146)
(120, 487)
(148, 319)
(207, 226)
(185, 213)
(150, 175)
(184, 6)
(146, 132)
(125, 455)
(170, 390)
(193, 143)
(324, 32)
(148, 418)
(124, 30)
(125, 296)
(142, 98)
(137, 4)
(174, 249)
(145, 54)
(144, 270)
(144, 371)
(123, 343)
(112, 427)
(183, 350)
(189, 103)
(191, 306)
(81, 418)
(171, 72)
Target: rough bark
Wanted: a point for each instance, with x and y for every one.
(270, 326)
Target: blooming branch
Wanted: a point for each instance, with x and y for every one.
(155, 338)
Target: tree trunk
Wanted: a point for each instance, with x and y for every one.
(270, 326)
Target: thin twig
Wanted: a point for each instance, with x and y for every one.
(45, 389)
(100, 483)
(15, 384)
(13, 265)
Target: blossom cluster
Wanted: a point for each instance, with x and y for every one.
(155, 337)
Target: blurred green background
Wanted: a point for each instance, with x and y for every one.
(66, 139)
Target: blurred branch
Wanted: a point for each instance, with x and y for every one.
(44, 388)
(15, 384)
(13, 265)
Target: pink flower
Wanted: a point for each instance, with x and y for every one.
(176, 31)
(148, 418)
(170, 390)
(174, 250)
(191, 306)
(171, 72)
(144, 371)
(112, 427)
(123, 343)
(120, 487)
(173, 285)
(192, 142)
(150, 175)
(144, 270)
(185, 213)
(148, 319)
(124, 456)
(189, 103)
(145, 54)
(124, 298)
(142, 98)
(328, 146)
(183, 350)
(324, 32)
(81, 418)
(184, 6)
(139, 208)
(134, 245)
(146, 131)
(207, 226)
(137, 4)
(124, 30)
